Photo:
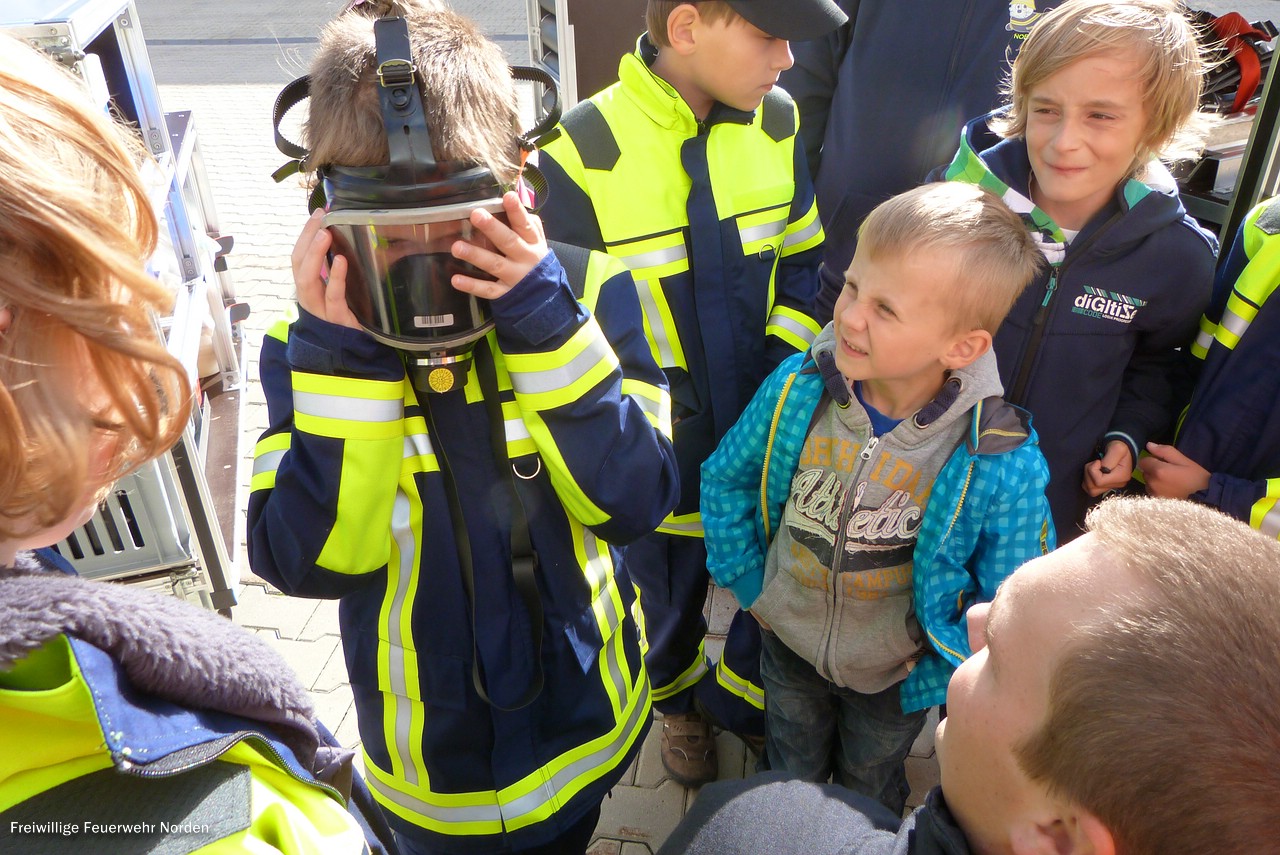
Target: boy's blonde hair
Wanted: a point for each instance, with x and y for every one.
(995, 255)
(1162, 718)
(658, 11)
(81, 356)
(1171, 60)
(467, 91)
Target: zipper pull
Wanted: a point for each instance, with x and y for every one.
(869, 447)
(1049, 289)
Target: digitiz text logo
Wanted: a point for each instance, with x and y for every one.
(1097, 303)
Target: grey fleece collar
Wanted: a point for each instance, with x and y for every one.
(167, 647)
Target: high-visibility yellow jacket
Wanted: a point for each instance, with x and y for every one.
(348, 500)
(1232, 426)
(128, 719)
(716, 220)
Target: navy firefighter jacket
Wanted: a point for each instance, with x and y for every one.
(717, 221)
(1091, 346)
(1232, 426)
(348, 501)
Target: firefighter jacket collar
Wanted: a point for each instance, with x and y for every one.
(166, 647)
(659, 100)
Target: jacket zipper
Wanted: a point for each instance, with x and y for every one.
(1038, 325)
(838, 551)
(261, 745)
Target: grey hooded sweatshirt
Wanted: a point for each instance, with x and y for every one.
(838, 576)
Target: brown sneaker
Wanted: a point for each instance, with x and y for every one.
(689, 749)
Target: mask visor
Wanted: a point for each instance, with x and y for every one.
(399, 271)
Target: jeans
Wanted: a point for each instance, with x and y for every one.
(814, 728)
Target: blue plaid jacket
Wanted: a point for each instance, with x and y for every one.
(987, 513)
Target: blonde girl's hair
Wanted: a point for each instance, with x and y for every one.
(81, 356)
(1172, 64)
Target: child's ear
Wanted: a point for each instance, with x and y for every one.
(681, 26)
(966, 348)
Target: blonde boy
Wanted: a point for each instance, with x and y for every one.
(880, 520)
(690, 170)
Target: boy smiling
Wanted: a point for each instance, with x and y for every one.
(880, 520)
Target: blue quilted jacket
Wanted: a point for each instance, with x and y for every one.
(986, 515)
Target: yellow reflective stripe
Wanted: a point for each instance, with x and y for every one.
(804, 233)
(398, 676)
(571, 772)
(539, 794)
(279, 330)
(654, 400)
(795, 328)
(1204, 338)
(762, 229)
(576, 503)
(686, 678)
(366, 491)
(660, 325)
(544, 381)
(1265, 513)
(637, 615)
(689, 525)
(266, 460)
(739, 686)
(1236, 319)
(654, 257)
(347, 408)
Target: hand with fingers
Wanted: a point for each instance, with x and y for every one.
(1171, 474)
(321, 295)
(1111, 471)
(520, 245)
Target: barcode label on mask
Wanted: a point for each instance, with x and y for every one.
(432, 321)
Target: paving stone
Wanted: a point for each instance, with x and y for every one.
(332, 707)
(923, 746)
(286, 615)
(641, 814)
(723, 608)
(323, 621)
(309, 658)
(334, 672)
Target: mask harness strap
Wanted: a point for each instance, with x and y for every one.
(524, 560)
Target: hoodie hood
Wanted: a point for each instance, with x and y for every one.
(963, 389)
(1140, 207)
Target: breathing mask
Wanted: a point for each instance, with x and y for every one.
(395, 224)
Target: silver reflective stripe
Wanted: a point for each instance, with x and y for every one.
(655, 258)
(476, 813)
(808, 232)
(650, 406)
(690, 527)
(792, 326)
(268, 461)
(649, 304)
(403, 534)
(554, 379)
(1271, 522)
(597, 759)
(346, 408)
(1234, 323)
(515, 429)
(418, 445)
(763, 231)
(597, 568)
(739, 686)
(1204, 340)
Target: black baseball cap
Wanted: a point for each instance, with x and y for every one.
(793, 20)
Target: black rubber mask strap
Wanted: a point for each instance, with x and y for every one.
(524, 560)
